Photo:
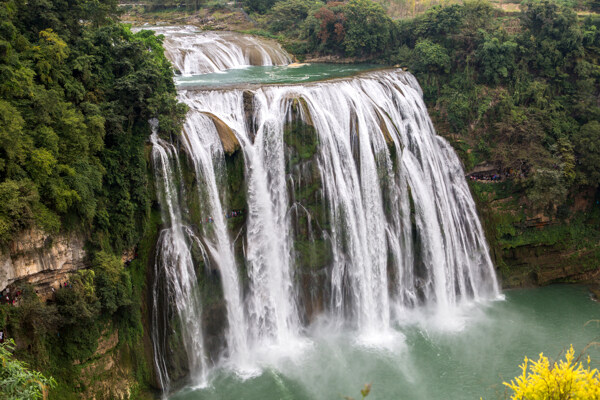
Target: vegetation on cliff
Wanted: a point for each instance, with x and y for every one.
(520, 93)
(77, 89)
(17, 380)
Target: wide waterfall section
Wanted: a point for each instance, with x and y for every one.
(287, 207)
(195, 52)
(389, 205)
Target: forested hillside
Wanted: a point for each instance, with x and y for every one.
(520, 94)
(76, 92)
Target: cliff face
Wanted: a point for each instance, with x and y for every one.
(539, 265)
(531, 249)
(41, 259)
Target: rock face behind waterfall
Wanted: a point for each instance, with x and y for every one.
(338, 199)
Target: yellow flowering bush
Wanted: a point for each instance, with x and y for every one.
(567, 379)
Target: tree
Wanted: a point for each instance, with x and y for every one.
(326, 27)
(17, 381)
(496, 58)
(548, 190)
(587, 147)
(288, 15)
(259, 6)
(431, 58)
(551, 38)
(367, 26)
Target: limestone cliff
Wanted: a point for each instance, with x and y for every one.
(41, 259)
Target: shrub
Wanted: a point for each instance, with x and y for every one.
(564, 380)
(17, 381)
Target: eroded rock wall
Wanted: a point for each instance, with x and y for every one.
(41, 259)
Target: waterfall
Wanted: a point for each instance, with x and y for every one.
(369, 197)
(347, 205)
(202, 144)
(174, 288)
(193, 52)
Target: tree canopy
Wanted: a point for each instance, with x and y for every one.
(77, 90)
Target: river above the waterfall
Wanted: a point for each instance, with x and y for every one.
(273, 74)
(463, 355)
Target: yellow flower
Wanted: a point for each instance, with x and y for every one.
(565, 380)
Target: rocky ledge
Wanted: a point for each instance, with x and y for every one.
(41, 259)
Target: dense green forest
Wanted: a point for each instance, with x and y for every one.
(77, 89)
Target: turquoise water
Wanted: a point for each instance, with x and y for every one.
(466, 354)
(253, 75)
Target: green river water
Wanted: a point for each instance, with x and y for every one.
(466, 354)
(254, 75)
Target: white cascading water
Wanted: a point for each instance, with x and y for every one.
(193, 52)
(202, 144)
(174, 274)
(404, 229)
(455, 258)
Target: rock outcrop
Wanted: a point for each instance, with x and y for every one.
(228, 138)
(41, 259)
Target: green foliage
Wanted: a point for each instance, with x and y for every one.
(358, 28)
(17, 381)
(35, 322)
(548, 189)
(79, 309)
(61, 333)
(496, 57)
(260, 6)
(368, 28)
(587, 146)
(302, 137)
(113, 284)
(431, 57)
(289, 15)
(521, 98)
(314, 254)
(77, 91)
(432, 60)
